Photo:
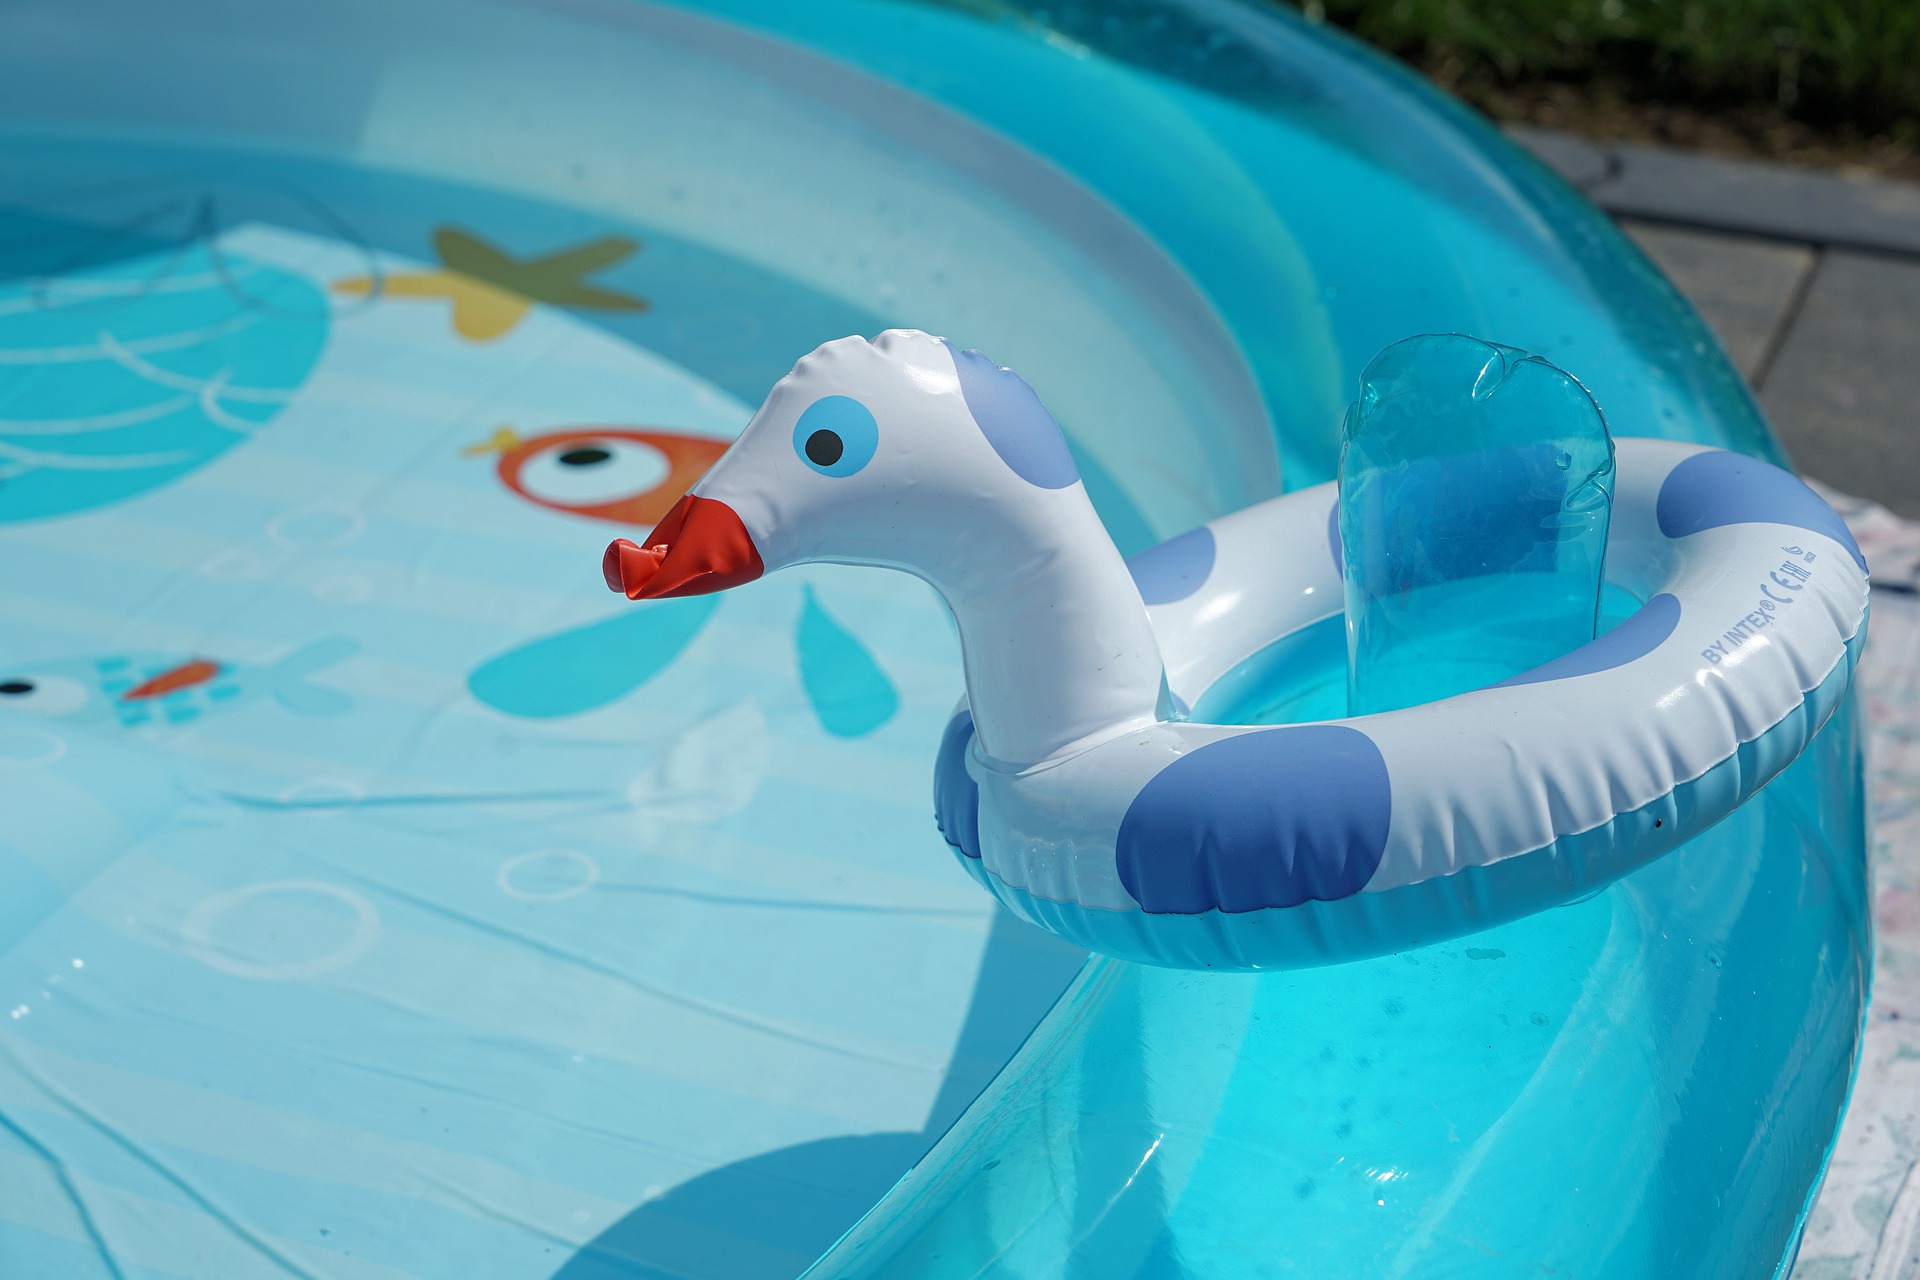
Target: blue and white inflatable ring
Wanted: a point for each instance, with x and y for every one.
(1075, 792)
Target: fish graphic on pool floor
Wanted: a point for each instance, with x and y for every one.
(140, 690)
(491, 290)
(632, 476)
(628, 475)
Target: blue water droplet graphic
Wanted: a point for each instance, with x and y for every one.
(848, 690)
(587, 668)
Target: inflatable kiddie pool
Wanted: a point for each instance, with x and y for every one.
(379, 899)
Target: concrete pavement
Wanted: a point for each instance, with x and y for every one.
(1811, 281)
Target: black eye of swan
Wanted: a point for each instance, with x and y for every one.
(586, 456)
(824, 448)
(16, 686)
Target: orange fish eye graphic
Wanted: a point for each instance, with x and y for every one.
(618, 474)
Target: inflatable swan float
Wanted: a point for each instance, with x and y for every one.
(1074, 788)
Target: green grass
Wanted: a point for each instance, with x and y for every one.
(1852, 66)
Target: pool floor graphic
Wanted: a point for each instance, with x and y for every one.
(585, 668)
(626, 475)
(491, 291)
(144, 689)
(845, 685)
(632, 477)
(133, 360)
(589, 667)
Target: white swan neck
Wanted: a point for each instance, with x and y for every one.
(1058, 649)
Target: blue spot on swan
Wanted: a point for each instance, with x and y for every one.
(848, 690)
(588, 667)
(125, 374)
(1272, 818)
(1014, 421)
(1176, 568)
(1719, 488)
(1635, 638)
(956, 796)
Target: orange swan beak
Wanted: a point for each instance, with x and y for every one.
(699, 547)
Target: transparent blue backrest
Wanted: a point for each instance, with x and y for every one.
(1475, 490)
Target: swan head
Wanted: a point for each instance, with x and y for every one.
(902, 452)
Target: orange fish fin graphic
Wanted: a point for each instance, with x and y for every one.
(185, 676)
(504, 440)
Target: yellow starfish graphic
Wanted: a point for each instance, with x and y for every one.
(491, 291)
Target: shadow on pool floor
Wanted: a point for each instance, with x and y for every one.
(793, 1203)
